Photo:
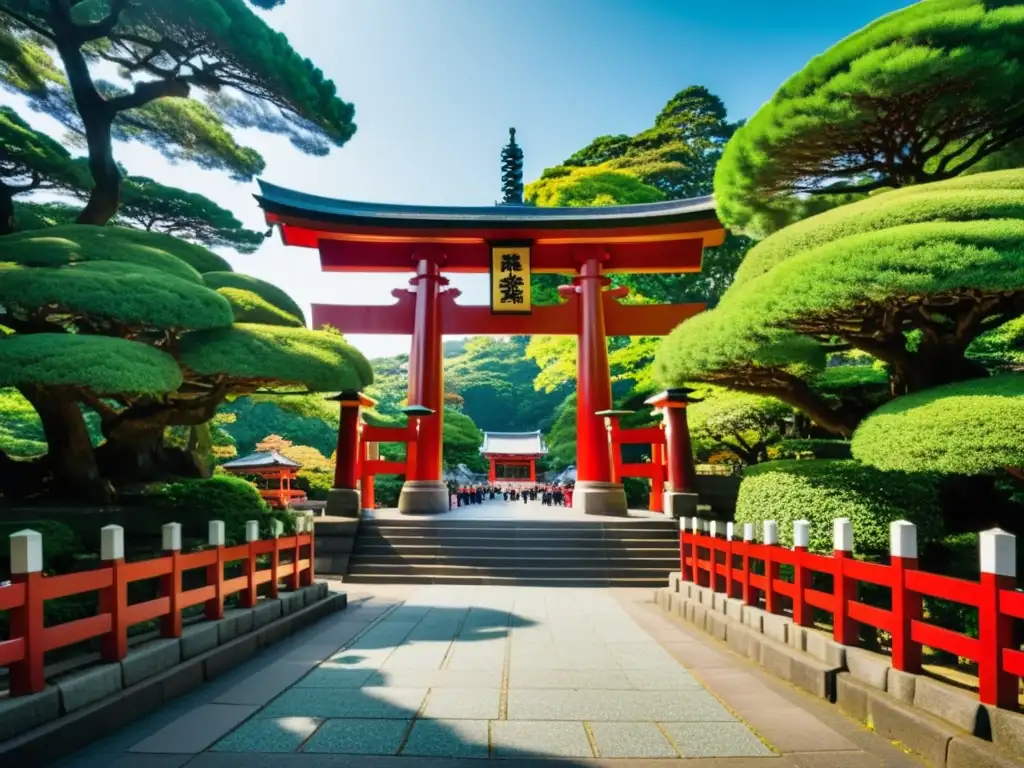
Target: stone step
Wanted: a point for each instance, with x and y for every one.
(597, 570)
(571, 532)
(401, 542)
(553, 581)
(509, 524)
(669, 563)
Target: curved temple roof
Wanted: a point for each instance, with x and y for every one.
(514, 444)
(290, 203)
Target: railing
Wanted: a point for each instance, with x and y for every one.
(25, 597)
(711, 556)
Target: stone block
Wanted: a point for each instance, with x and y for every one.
(310, 594)
(230, 655)
(901, 685)
(150, 659)
(265, 612)
(744, 641)
(1007, 730)
(673, 581)
(719, 600)
(923, 733)
(22, 714)
(798, 668)
(198, 638)
(775, 627)
(852, 696)
(754, 618)
(274, 632)
(824, 648)
(734, 610)
(716, 625)
(235, 622)
(870, 668)
(290, 602)
(969, 752)
(951, 704)
(680, 607)
(82, 688)
(183, 678)
(699, 615)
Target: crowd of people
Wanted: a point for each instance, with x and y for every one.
(549, 495)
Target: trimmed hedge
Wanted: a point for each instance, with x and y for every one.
(822, 490)
(818, 449)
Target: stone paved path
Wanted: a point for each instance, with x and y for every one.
(430, 674)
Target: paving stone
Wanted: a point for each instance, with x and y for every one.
(520, 677)
(82, 688)
(149, 659)
(22, 714)
(276, 735)
(462, 704)
(264, 685)
(630, 740)
(548, 739)
(196, 730)
(334, 677)
(358, 737)
(448, 738)
(435, 678)
(720, 740)
(198, 638)
(662, 679)
(624, 706)
(384, 703)
(605, 680)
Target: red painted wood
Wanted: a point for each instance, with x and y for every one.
(801, 583)
(425, 368)
(906, 609)
(996, 685)
(114, 601)
(26, 622)
(844, 629)
(346, 464)
(594, 393)
(682, 474)
(170, 587)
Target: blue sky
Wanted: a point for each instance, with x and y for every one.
(437, 83)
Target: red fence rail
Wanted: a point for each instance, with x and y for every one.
(711, 556)
(25, 597)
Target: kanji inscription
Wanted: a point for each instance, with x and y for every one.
(510, 279)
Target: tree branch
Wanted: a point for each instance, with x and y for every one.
(25, 21)
(87, 32)
(148, 91)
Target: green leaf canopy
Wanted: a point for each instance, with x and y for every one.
(965, 428)
(271, 294)
(918, 95)
(271, 355)
(251, 308)
(100, 364)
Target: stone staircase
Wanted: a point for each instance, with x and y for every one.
(627, 553)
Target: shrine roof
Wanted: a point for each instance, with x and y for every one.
(262, 460)
(514, 444)
(290, 203)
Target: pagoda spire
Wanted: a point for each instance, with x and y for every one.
(512, 171)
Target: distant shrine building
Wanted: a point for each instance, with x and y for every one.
(513, 456)
(510, 241)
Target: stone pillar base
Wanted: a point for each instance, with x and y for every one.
(679, 505)
(598, 498)
(423, 497)
(343, 502)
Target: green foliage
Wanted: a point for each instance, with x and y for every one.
(33, 215)
(918, 95)
(822, 491)
(21, 434)
(249, 307)
(201, 259)
(266, 354)
(983, 197)
(100, 364)
(561, 439)
(584, 187)
(60, 246)
(811, 448)
(1002, 347)
(461, 441)
(193, 503)
(842, 378)
(967, 428)
(271, 294)
(256, 420)
(26, 153)
(743, 424)
(156, 207)
(125, 295)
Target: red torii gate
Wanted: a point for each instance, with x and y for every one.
(591, 243)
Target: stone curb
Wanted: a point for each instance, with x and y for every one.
(52, 736)
(939, 722)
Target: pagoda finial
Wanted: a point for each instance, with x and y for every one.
(512, 171)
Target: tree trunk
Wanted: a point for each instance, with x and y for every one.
(97, 119)
(72, 459)
(841, 421)
(6, 210)
(935, 363)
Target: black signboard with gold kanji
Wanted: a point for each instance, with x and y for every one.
(510, 278)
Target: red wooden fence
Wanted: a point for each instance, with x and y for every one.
(711, 556)
(24, 598)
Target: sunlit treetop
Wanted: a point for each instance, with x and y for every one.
(268, 292)
(589, 186)
(919, 95)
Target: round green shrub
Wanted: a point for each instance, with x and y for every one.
(822, 490)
